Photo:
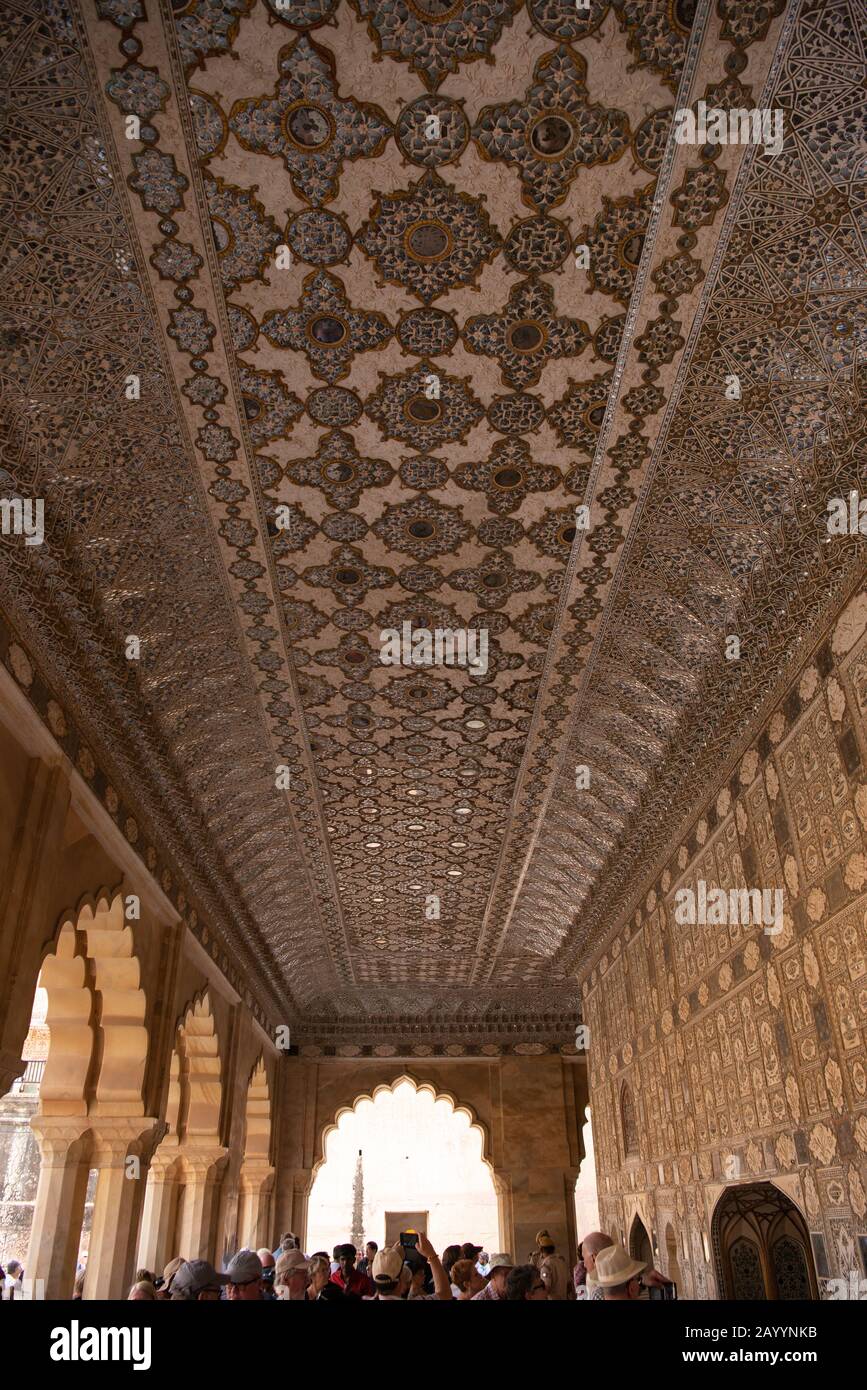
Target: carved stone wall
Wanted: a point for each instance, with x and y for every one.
(527, 1108)
(741, 1051)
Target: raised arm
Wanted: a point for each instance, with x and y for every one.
(442, 1286)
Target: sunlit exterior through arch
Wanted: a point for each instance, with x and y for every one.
(419, 1153)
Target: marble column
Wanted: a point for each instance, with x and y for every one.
(203, 1169)
(114, 1232)
(58, 1211)
(257, 1180)
(159, 1212)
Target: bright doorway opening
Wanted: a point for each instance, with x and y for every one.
(419, 1153)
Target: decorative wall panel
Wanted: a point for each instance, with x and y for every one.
(750, 1064)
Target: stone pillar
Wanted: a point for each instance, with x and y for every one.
(503, 1189)
(158, 1214)
(204, 1174)
(114, 1233)
(257, 1180)
(58, 1211)
(302, 1183)
(536, 1153)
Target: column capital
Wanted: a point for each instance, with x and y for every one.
(206, 1161)
(57, 1134)
(255, 1172)
(114, 1136)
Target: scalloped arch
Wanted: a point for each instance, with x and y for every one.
(200, 1071)
(257, 1131)
(95, 1011)
(438, 1093)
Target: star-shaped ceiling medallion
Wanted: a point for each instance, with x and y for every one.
(616, 240)
(422, 527)
(554, 532)
(339, 471)
(508, 476)
(527, 334)
(424, 407)
(326, 328)
(554, 131)
(494, 580)
(428, 238)
(307, 125)
(577, 416)
(270, 408)
(244, 234)
(204, 27)
(349, 575)
(434, 36)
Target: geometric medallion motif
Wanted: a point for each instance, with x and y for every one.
(325, 328)
(243, 234)
(339, 471)
(423, 407)
(554, 131)
(430, 238)
(527, 334)
(307, 125)
(434, 36)
(509, 476)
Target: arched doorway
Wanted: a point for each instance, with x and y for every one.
(420, 1152)
(761, 1246)
(640, 1247)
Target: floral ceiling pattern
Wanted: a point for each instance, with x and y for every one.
(403, 285)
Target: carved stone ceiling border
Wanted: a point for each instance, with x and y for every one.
(295, 394)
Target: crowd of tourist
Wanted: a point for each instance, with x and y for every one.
(409, 1270)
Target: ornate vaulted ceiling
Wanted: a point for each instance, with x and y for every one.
(316, 209)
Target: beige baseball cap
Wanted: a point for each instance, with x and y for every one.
(387, 1264)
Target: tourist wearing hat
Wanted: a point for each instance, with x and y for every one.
(552, 1267)
(591, 1248)
(499, 1273)
(392, 1276)
(164, 1290)
(244, 1277)
(618, 1275)
(196, 1281)
(387, 1274)
(291, 1276)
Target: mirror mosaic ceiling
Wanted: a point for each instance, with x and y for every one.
(327, 206)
